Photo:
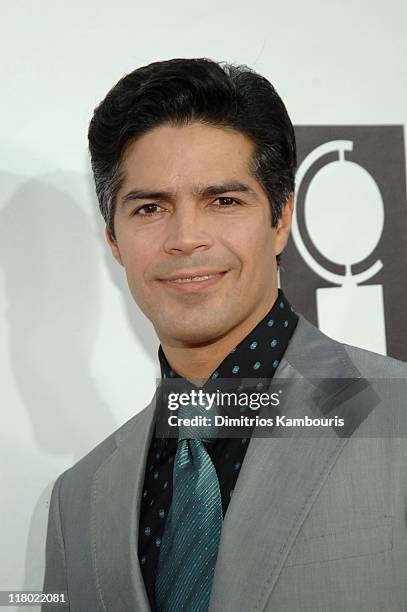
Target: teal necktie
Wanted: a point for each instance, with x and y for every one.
(190, 541)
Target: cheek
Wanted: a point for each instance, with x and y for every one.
(136, 259)
(251, 243)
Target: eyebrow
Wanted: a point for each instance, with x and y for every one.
(209, 190)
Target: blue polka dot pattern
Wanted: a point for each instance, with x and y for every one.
(267, 342)
(256, 365)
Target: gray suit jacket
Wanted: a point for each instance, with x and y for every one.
(314, 524)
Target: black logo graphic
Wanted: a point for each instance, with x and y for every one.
(344, 266)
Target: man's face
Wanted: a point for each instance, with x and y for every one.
(195, 210)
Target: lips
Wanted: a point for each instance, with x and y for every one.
(195, 279)
(192, 275)
(194, 282)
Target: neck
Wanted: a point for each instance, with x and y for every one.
(197, 363)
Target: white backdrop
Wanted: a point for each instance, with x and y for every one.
(77, 358)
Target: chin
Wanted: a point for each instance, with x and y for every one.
(195, 336)
(191, 334)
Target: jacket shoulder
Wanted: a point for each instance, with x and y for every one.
(310, 350)
(373, 364)
(82, 472)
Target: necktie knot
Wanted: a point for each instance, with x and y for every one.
(197, 421)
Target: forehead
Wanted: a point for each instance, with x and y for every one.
(191, 153)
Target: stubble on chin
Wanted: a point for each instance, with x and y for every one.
(191, 330)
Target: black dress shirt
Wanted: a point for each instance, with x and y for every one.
(256, 356)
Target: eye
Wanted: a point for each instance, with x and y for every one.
(147, 210)
(227, 202)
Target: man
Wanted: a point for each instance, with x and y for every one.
(194, 167)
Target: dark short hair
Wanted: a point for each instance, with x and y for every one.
(178, 91)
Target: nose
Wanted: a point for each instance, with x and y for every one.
(187, 232)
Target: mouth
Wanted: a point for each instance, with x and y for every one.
(193, 283)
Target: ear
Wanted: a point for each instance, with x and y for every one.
(112, 242)
(284, 225)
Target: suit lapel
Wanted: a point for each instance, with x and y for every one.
(115, 517)
(281, 476)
